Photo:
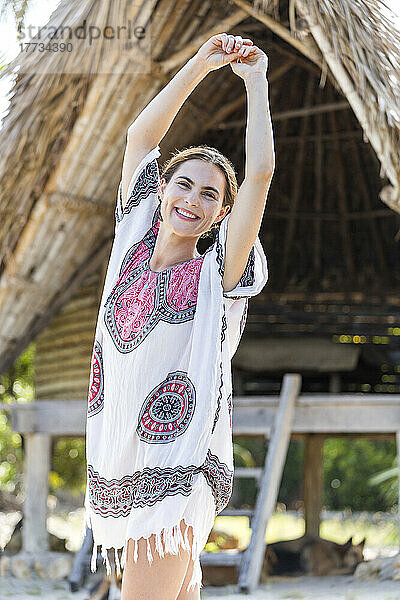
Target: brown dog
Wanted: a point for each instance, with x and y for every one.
(313, 555)
(309, 555)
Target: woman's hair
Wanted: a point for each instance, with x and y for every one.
(208, 154)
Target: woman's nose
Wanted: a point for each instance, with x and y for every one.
(192, 198)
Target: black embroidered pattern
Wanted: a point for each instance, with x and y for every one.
(220, 256)
(117, 497)
(217, 411)
(243, 318)
(224, 327)
(247, 279)
(96, 383)
(216, 417)
(248, 276)
(230, 406)
(146, 183)
(220, 478)
(118, 206)
(167, 410)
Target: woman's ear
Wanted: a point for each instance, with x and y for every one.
(224, 211)
(162, 187)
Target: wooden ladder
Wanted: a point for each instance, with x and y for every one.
(249, 562)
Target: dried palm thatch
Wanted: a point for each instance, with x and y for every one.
(362, 48)
(359, 43)
(60, 156)
(63, 137)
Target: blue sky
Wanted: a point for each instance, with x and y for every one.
(38, 14)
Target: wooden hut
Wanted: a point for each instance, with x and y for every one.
(331, 226)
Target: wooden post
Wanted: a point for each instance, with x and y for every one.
(37, 468)
(334, 383)
(238, 383)
(253, 556)
(312, 481)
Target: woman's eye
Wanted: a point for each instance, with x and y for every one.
(186, 185)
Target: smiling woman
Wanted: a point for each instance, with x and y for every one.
(159, 421)
(211, 186)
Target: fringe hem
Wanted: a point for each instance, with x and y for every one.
(173, 541)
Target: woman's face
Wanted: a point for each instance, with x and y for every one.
(196, 187)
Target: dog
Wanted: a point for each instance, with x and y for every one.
(307, 555)
(312, 555)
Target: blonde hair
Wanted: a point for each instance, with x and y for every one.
(208, 154)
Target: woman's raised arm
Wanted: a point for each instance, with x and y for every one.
(247, 212)
(150, 126)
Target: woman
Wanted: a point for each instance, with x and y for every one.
(159, 438)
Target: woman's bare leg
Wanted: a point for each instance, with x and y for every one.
(162, 580)
(193, 594)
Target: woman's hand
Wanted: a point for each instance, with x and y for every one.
(252, 60)
(222, 49)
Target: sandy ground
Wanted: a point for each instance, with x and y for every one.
(299, 588)
(277, 588)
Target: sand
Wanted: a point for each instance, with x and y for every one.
(279, 588)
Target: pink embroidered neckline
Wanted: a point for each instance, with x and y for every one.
(155, 229)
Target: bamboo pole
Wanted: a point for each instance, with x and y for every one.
(292, 114)
(281, 31)
(182, 55)
(230, 107)
(318, 166)
(346, 236)
(170, 15)
(297, 183)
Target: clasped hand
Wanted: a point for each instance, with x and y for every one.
(243, 56)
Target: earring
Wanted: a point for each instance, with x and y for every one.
(212, 232)
(215, 230)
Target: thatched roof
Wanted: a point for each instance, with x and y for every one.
(62, 142)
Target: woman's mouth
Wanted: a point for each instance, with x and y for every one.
(185, 215)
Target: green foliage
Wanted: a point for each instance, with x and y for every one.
(387, 481)
(292, 479)
(349, 463)
(15, 386)
(248, 452)
(251, 452)
(349, 466)
(68, 454)
(69, 465)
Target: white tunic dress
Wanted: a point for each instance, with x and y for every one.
(159, 417)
